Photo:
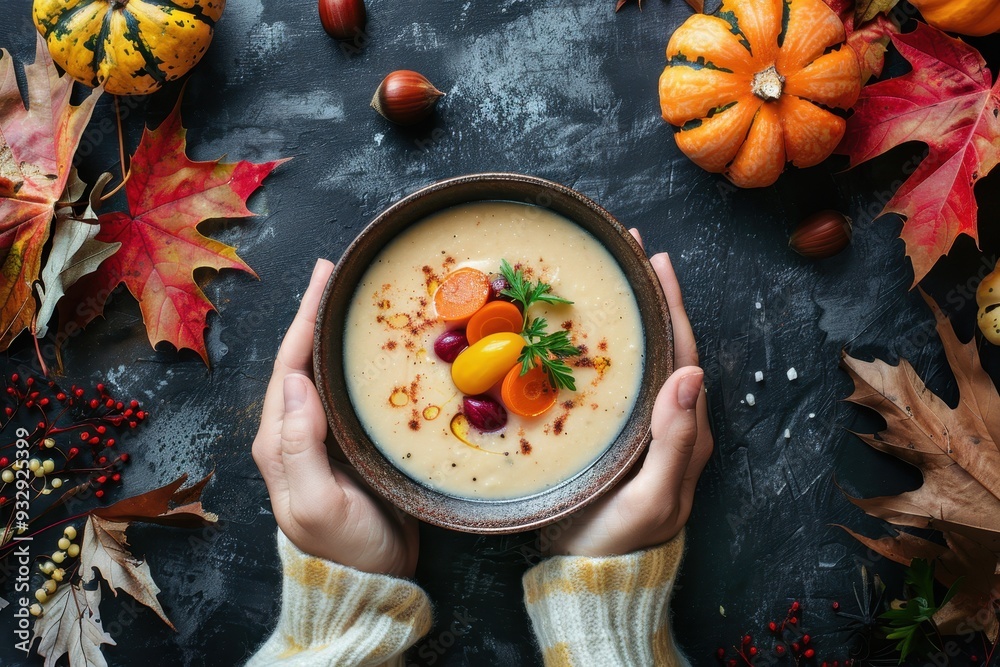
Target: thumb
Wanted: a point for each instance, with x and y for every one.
(303, 432)
(674, 430)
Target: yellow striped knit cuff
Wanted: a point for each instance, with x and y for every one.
(606, 611)
(332, 614)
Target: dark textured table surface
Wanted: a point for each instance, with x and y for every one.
(566, 90)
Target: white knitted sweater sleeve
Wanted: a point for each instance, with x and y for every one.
(335, 615)
(606, 611)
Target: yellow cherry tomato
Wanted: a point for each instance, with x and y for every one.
(486, 362)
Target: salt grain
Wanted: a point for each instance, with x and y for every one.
(792, 374)
(751, 400)
(788, 434)
(758, 305)
(759, 376)
(812, 415)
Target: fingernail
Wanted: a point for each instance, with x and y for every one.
(688, 390)
(295, 392)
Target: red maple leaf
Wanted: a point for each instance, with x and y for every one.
(948, 102)
(36, 156)
(168, 196)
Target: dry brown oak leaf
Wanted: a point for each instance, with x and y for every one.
(37, 145)
(958, 452)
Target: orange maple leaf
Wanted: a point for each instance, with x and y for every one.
(36, 156)
(168, 196)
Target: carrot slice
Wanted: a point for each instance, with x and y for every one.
(528, 395)
(494, 317)
(461, 294)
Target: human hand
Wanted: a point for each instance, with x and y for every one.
(322, 506)
(653, 504)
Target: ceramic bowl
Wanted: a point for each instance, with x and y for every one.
(490, 516)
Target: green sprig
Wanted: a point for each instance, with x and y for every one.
(548, 349)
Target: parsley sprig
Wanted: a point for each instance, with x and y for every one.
(912, 621)
(548, 349)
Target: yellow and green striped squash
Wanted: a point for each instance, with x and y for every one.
(131, 47)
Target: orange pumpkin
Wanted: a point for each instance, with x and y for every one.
(968, 17)
(750, 87)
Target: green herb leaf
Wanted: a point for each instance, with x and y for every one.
(911, 621)
(541, 347)
(525, 292)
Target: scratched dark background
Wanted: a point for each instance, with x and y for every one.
(563, 89)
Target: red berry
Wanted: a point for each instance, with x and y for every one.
(809, 653)
(796, 647)
(14, 377)
(753, 651)
(825, 664)
(102, 429)
(793, 620)
(720, 653)
(140, 415)
(133, 424)
(973, 658)
(732, 662)
(43, 402)
(133, 404)
(128, 413)
(33, 394)
(835, 605)
(100, 387)
(99, 493)
(772, 626)
(102, 479)
(29, 381)
(102, 460)
(29, 403)
(836, 663)
(94, 403)
(747, 639)
(9, 411)
(85, 436)
(110, 442)
(117, 477)
(805, 639)
(60, 396)
(779, 649)
(4, 461)
(795, 606)
(41, 426)
(94, 441)
(73, 451)
(109, 403)
(124, 458)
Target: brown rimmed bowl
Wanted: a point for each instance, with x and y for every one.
(490, 516)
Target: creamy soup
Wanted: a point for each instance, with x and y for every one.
(404, 394)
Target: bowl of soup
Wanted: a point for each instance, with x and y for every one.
(488, 351)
